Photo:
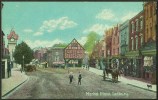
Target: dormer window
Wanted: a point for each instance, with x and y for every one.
(12, 39)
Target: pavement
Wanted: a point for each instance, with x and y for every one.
(132, 82)
(9, 84)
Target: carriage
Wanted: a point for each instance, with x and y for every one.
(114, 71)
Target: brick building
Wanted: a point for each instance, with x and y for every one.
(149, 48)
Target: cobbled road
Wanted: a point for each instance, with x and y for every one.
(52, 83)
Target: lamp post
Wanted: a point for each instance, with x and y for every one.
(23, 62)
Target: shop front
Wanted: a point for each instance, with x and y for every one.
(149, 65)
(133, 64)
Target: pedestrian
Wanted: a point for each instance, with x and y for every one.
(88, 66)
(21, 69)
(104, 74)
(79, 78)
(9, 69)
(71, 77)
(45, 64)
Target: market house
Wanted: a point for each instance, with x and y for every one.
(74, 54)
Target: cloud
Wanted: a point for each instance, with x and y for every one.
(128, 15)
(105, 14)
(39, 43)
(38, 33)
(28, 30)
(98, 28)
(82, 40)
(55, 24)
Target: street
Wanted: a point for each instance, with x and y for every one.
(50, 83)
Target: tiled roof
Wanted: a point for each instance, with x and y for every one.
(12, 33)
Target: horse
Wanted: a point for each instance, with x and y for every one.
(114, 73)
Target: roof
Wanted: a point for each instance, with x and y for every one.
(59, 46)
(72, 42)
(12, 33)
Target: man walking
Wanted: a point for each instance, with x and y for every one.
(71, 77)
(9, 68)
(79, 78)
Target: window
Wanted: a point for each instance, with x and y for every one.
(136, 42)
(132, 43)
(146, 13)
(113, 51)
(114, 41)
(102, 53)
(151, 28)
(133, 27)
(56, 53)
(141, 40)
(155, 8)
(147, 31)
(56, 58)
(150, 11)
(136, 24)
(74, 45)
(141, 23)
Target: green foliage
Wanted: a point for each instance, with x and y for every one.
(60, 45)
(21, 50)
(91, 38)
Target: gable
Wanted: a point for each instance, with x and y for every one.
(74, 50)
(74, 45)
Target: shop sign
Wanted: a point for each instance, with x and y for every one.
(148, 61)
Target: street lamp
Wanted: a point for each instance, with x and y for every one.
(23, 62)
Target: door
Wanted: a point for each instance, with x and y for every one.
(3, 69)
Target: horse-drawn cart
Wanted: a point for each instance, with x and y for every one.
(114, 73)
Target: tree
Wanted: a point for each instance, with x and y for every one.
(91, 38)
(60, 45)
(21, 50)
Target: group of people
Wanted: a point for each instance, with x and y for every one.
(79, 78)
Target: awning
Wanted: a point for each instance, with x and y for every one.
(132, 54)
(116, 56)
(149, 52)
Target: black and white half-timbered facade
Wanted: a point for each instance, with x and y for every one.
(74, 54)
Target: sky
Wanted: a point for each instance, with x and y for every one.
(43, 24)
